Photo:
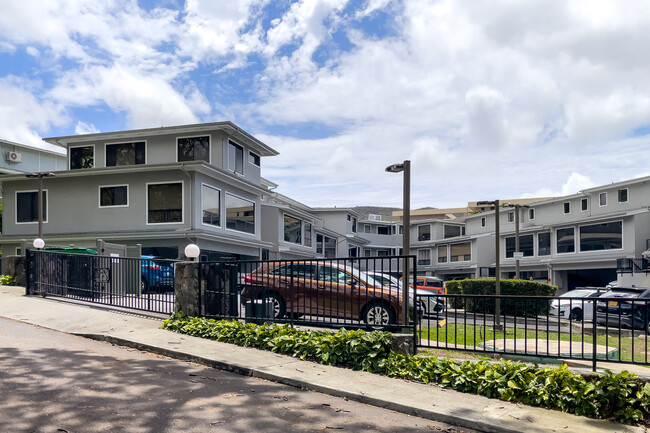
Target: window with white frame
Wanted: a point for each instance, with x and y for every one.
(531, 214)
(211, 205)
(383, 230)
(194, 148)
(292, 230)
(165, 203)
(27, 206)
(82, 157)
(451, 231)
(366, 228)
(604, 236)
(565, 240)
(483, 222)
(119, 154)
(235, 158)
(240, 214)
(308, 234)
(424, 232)
(424, 257)
(511, 217)
(114, 196)
(254, 158)
(567, 207)
(602, 199)
(623, 195)
(584, 205)
(461, 252)
(442, 254)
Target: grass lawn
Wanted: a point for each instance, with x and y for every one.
(469, 337)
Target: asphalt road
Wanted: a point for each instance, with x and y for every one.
(52, 382)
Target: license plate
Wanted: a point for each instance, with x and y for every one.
(613, 304)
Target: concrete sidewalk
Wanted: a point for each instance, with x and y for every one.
(427, 401)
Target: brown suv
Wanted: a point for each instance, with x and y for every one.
(322, 289)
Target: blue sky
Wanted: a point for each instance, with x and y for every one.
(499, 100)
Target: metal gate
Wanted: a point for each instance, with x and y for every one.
(145, 284)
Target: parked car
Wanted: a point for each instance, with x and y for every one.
(627, 307)
(428, 289)
(157, 274)
(429, 304)
(573, 305)
(320, 289)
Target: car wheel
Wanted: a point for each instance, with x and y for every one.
(144, 286)
(576, 314)
(377, 314)
(278, 304)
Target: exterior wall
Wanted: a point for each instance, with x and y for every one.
(32, 159)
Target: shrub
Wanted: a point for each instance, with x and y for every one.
(7, 280)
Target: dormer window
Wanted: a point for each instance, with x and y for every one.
(194, 148)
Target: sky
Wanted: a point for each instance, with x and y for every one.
(489, 100)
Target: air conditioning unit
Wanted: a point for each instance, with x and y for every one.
(13, 157)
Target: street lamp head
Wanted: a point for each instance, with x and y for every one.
(485, 203)
(38, 243)
(192, 251)
(395, 168)
(37, 175)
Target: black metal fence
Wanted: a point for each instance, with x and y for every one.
(145, 284)
(536, 328)
(345, 292)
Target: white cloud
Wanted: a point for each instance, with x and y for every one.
(575, 183)
(85, 128)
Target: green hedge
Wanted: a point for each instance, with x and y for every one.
(622, 397)
(487, 286)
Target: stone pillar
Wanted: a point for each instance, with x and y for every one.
(187, 289)
(16, 267)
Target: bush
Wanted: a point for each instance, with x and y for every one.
(7, 280)
(486, 286)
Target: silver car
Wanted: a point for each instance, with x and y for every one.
(431, 305)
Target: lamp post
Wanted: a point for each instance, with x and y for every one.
(39, 198)
(406, 232)
(497, 271)
(516, 206)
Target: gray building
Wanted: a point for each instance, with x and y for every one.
(18, 158)
(162, 188)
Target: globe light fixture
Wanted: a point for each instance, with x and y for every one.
(38, 243)
(192, 251)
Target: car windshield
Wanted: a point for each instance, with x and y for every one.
(579, 294)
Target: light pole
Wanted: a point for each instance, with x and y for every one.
(39, 198)
(406, 233)
(516, 206)
(497, 271)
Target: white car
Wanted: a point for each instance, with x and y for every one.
(431, 305)
(576, 304)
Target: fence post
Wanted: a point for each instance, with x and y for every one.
(595, 337)
(28, 277)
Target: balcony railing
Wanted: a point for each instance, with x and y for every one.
(630, 266)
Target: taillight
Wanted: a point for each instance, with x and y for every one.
(248, 279)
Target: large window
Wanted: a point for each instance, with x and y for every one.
(622, 195)
(383, 230)
(292, 230)
(211, 205)
(240, 214)
(424, 257)
(544, 244)
(525, 246)
(461, 252)
(82, 157)
(114, 196)
(325, 246)
(194, 148)
(442, 254)
(424, 232)
(608, 236)
(27, 206)
(165, 203)
(125, 154)
(452, 231)
(566, 240)
(235, 158)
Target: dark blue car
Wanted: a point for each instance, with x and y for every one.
(157, 275)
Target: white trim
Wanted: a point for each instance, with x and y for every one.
(602, 194)
(575, 238)
(226, 211)
(243, 166)
(602, 251)
(47, 206)
(77, 147)
(19, 251)
(461, 261)
(618, 195)
(99, 198)
(196, 136)
(221, 212)
(146, 192)
(146, 152)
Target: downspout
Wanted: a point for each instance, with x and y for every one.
(191, 203)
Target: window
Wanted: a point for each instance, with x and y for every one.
(235, 158)
(602, 199)
(543, 244)
(125, 154)
(27, 206)
(366, 228)
(325, 246)
(354, 225)
(483, 222)
(461, 252)
(525, 246)
(567, 207)
(211, 205)
(424, 232)
(374, 217)
(442, 254)
(114, 196)
(566, 240)
(401, 229)
(584, 204)
(82, 157)
(383, 230)
(424, 257)
(352, 251)
(366, 253)
(165, 203)
(194, 148)
(383, 253)
(531, 214)
(597, 237)
(240, 214)
(308, 234)
(622, 195)
(451, 231)
(511, 217)
(292, 230)
(254, 158)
